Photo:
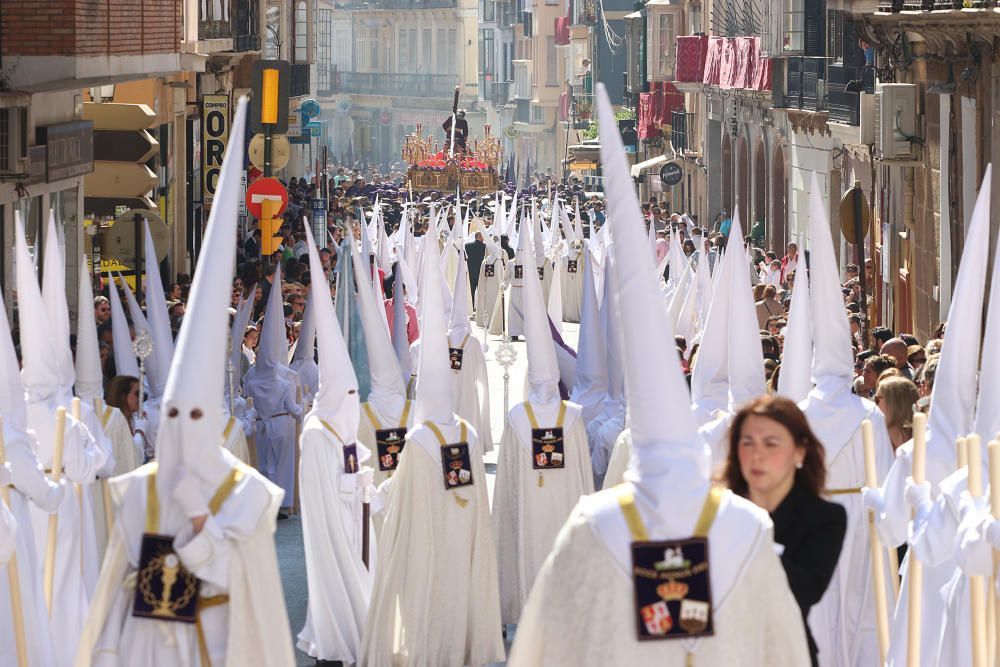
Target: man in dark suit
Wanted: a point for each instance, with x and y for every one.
(475, 252)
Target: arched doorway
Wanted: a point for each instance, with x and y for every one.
(759, 186)
(778, 223)
(743, 178)
(727, 173)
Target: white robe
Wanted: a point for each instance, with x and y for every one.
(530, 506)
(572, 287)
(234, 440)
(29, 566)
(233, 554)
(339, 584)
(8, 534)
(76, 547)
(602, 433)
(581, 610)
(128, 453)
(515, 302)
(488, 290)
(308, 373)
(843, 621)
(275, 434)
(435, 601)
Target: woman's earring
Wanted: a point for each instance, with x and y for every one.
(798, 466)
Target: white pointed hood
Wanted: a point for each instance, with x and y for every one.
(191, 426)
(305, 345)
(834, 412)
(555, 304)
(388, 390)
(591, 359)
(40, 371)
(458, 322)
(987, 420)
(125, 360)
(272, 348)
(337, 401)
(400, 338)
(710, 376)
(665, 440)
(954, 394)
(795, 379)
(159, 321)
(746, 357)
(89, 375)
(15, 415)
(240, 322)
(54, 297)
(543, 370)
(434, 375)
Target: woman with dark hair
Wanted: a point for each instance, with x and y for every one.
(777, 463)
(123, 393)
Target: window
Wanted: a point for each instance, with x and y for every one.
(551, 62)
(341, 58)
(301, 33)
(452, 47)
(271, 50)
(324, 53)
(662, 39)
(403, 50)
(425, 62)
(487, 11)
(487, 52)
(793, 38)
(835, 36)
(442, 51)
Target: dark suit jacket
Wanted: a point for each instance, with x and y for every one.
(811, 530)
(475, 251)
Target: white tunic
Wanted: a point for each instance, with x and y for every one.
(234, 440)
(488, 290)
(277, 412)
(232, 555)
(572, 286)
(339, 583)
(435, 600)
(530, 506)
(581, 614)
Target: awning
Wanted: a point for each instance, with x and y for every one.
(639, 167)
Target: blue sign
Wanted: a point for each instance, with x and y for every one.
(318, 205)
(310, 108)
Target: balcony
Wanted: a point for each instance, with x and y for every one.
(376, 5)
(299, 80)
(800, 83)
(500, 93)
(238, 20)
(381, 83)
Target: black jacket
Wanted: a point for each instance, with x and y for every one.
(475, 252)
(811, 530)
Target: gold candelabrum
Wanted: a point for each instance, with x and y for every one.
(418, 148)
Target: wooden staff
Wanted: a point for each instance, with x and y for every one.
(78, 488)
(994, 452)
(109, 508)
(878, 563)
(298, 434)
(977, 583)
(915, 571)
(50, 547)
(13, 579)
(365, 519)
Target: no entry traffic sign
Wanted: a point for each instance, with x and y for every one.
(266, 188)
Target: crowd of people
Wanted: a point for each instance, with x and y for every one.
(696, 461)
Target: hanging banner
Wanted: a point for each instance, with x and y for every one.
(215, 135)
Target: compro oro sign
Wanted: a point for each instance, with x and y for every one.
(215, 135)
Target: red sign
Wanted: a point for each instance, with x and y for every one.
(266, 188)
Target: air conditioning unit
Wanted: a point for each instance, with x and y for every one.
(13, 141)
(895, 120)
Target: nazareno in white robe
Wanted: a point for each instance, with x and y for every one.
(435, 601)
(581, 614)
(30, 487)
(339, 584)
(233, 554)
(515, 301)
(843, 621)
(76, 547)
(488, 290)
(277, 412)
(470, 388)
(530, 506)
(572, 286)
(234, 440)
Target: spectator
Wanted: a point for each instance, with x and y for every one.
(896, 397)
